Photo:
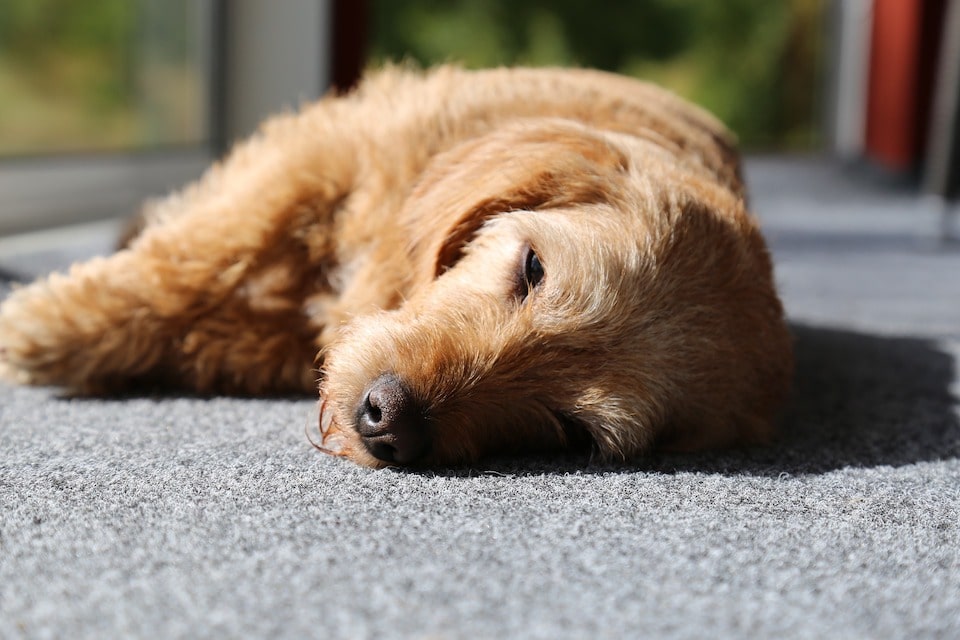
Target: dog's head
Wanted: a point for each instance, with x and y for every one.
(572, 288)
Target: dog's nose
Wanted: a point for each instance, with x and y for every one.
(390, 422)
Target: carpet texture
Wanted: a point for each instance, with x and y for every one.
(185, 517)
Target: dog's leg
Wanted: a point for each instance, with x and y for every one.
(188, 318)
(208, 298)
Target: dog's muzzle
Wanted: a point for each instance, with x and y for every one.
(391, 424)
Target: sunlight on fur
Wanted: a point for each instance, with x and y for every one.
(496, 261)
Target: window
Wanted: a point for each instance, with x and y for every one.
(102, 75)
(108, 102)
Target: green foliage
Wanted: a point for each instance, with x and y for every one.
(96, 74)
(32, 28)
(754, 63)
(113, 73)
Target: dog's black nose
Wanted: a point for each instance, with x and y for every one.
(390, 422)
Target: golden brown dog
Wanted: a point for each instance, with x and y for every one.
(485, 261)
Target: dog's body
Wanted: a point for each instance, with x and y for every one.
(485, 261)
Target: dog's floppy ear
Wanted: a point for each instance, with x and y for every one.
(529, 166)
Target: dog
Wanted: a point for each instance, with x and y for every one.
(470, 262)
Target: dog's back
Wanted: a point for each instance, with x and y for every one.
(447, 105)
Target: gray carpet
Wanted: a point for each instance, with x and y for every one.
(181, 517)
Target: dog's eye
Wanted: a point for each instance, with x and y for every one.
(532, 269)
(531, 273)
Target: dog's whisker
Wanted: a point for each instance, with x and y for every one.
(326, 417)
(318, 446)
(324, 420)
(306, 432)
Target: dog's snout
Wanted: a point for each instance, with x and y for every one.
(391, 423)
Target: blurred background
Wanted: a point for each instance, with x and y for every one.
(106, 101)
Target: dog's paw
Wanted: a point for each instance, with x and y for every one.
(9, 373)
(25, 340)
(49, 332)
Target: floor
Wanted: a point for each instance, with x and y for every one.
(192, 517)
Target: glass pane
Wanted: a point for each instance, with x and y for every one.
(755, 63)
(102, 75)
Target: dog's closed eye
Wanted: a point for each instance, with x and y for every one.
(530, 273)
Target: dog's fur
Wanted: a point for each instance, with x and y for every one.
(390, 230)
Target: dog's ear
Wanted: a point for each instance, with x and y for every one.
(524, 167)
